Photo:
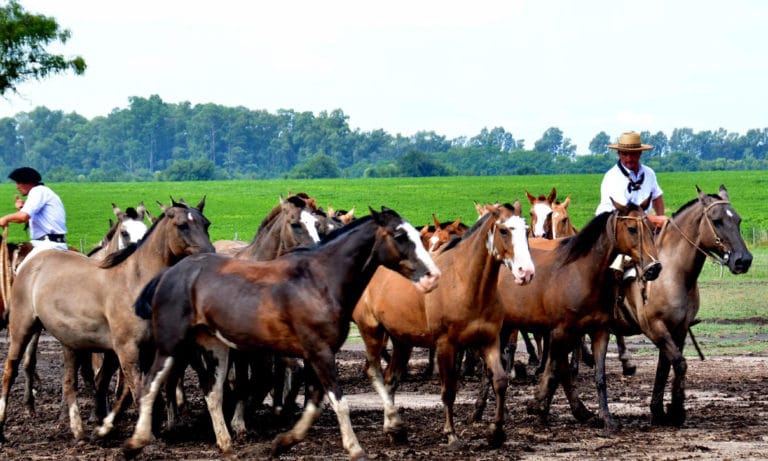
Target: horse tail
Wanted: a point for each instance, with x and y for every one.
(143, 303)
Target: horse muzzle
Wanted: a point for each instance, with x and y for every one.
(427, 282)
(740, 263)
(651, 271)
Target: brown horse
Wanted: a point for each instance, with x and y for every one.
(97, 317)
(541, 214)
(579, 268)
(665, 309)
(435, 236)
(462, 312)
(297, 305)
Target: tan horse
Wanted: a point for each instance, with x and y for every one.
(99, 316)
(665, 308)
(461, 312)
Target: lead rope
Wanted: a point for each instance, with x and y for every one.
(5, 283)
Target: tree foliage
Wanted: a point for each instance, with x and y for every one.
(23, 40)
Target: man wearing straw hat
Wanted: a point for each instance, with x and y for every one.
(43, 211)
(628, 180)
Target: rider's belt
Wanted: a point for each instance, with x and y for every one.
(58, 238)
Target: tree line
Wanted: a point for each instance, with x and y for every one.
(153, 140)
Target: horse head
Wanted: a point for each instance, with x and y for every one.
(398, 246)
(720, 231)
(508, 240)
(561, 219)
(633, 236)
(541, 214)
(185, 230)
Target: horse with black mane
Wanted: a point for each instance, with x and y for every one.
(297, 305)
(664, 309)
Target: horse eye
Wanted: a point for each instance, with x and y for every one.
(632, 230)
(504, 231)
(183, 226)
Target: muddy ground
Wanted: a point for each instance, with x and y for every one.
(727, 419)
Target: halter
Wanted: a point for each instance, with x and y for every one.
(718, 240)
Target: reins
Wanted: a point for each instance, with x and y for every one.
(718, 241)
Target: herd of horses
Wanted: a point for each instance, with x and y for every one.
(162, 298)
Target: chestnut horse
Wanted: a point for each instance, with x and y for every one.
(541, 214)
(297, 305)
(579, 268)
(98, 316)
(707, 226)
(463, 311)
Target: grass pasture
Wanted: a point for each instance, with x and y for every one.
(734, 309)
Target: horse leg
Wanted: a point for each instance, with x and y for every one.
(669, 355)
(430, 368)
(548, 381)
(128, 356)
(157, 375)
(676, 409)
(22, 330)
(69, 389)
(579, 411)
(30, 363)
(375, 343)
(500, 380)
(600, 350)
(533, 357)
(109, 365)
(544, 354)
(323, 363)
(508, 345)
(627, 367)
(242, 362)
(446, 356)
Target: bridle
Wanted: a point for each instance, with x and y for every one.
(644, 226)
(718, 241)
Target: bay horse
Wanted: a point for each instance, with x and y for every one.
(297, 305)
(665, 309)
(435, 236)
(568, 297)
(463, 311)
(50, 291)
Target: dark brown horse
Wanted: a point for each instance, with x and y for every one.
(51, 292)
(297, 305)
(462, 312)
(707, 226)
(568, 297)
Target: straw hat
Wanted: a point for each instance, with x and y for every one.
(630, 142)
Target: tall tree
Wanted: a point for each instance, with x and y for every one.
(23, 41)
(599, 144)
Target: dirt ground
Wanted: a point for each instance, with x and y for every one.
(727, 419)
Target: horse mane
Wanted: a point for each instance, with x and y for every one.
(297, 201)
(582, 243)
(113, 259)
(333, 234)
(94, 250)
(478, 224)
(690, 204)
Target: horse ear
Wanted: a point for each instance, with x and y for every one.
(140, 210)
(348, 217)
(117, 211)
(618, 206)
(552, 196)
(164, 207)
(646, 203)
(480, 209)
(531, 198)
(456, 223)
(723, 193)
(201, 205)
(424, 231)
(519, 208)
(566, 202)
(436, 221)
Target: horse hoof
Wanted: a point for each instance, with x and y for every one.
(455, 443)
(281, 444)
(398, 437)
(496, 437)
(583, 415)
(629, 370)
(130, 451)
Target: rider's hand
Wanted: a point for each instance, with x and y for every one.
(19, 203)
(657, 221)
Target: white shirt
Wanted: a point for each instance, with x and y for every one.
(615, 185)
(46, 212)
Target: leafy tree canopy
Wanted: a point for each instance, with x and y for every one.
(23, 40)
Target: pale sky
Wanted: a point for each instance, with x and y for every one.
(453, 67)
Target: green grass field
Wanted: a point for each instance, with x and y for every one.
(734, 308)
